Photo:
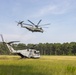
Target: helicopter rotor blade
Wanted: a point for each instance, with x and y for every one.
(17, 23)
(45, 24)
(2, 40)
(27, 24)
(31, 22)
(12, 42)
(45, 27)
(39, 22)
(2, 37)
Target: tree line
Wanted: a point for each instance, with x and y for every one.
(44, 48)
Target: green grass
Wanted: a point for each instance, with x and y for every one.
(46, 65)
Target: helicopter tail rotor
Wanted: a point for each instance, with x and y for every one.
(19, 23)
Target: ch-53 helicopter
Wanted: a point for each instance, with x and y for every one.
(32, 27)
(26, 53)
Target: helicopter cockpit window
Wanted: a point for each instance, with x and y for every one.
(27, 49)
(34, 51)
(40, 28)
(37, 52)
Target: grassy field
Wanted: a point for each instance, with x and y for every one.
(46, 65)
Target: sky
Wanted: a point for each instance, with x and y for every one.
(61, 14)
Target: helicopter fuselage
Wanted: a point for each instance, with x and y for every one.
(33, 28)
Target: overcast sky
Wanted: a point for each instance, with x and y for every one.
(60, 13)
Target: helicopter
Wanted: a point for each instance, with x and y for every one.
(32, 27)
(26, 53)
